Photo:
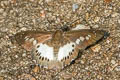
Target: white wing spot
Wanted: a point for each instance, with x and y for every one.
(77, 41)
(82, 38)
(45, 51)
(34, 42)
(65, 50)
(89, 35)
(31, 39)
(87, 38)
(26, 38)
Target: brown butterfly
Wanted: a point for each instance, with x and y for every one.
(56, 49)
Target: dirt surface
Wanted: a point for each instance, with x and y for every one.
(101, 62)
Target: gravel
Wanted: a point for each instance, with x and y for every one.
(19, 15)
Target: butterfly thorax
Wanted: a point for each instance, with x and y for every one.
(57, 41)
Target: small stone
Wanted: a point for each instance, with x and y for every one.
(80, 26)
(87, 16)
(48, 1)
(24, 54)
(42, 14)
(26, 77)
(74, 7)
(119, 46)
(117, 68)
(1, 10)
(66, 76)
(23, 29)
(96, 26)
(108, 41)
(87, 68)
(96, 48)
(113, 61)
(82, 62)
(119, 21)
(1, 78)
(16, 56)
(32, 0)
(115, 14)
(96, 19)
(108, 1)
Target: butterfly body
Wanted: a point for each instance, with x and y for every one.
(57, 49)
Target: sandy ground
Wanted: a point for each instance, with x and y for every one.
(101, 62)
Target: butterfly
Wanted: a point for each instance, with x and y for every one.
(57, 49)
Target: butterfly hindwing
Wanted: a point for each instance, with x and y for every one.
(68, 53)
(84, 37)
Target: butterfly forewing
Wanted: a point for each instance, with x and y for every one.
(85, 37)
(28, 39)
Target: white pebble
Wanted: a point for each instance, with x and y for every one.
(113, 61)
(16, 56)
(74, 7)
(24, 54)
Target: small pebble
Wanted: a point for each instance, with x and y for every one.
(74, 7)
(115, 14)
(96, 19)
(1, 78)
(87, 15)
(96, 48)
(24, 54)
(119, 46)
(16, 56)
(82, 62)
(113, 61)
(26, 77)
(23, 29)
(1, 10)
(80, 26)
(96, 26)
(117, 68)
(108, 1)
(119, 21)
